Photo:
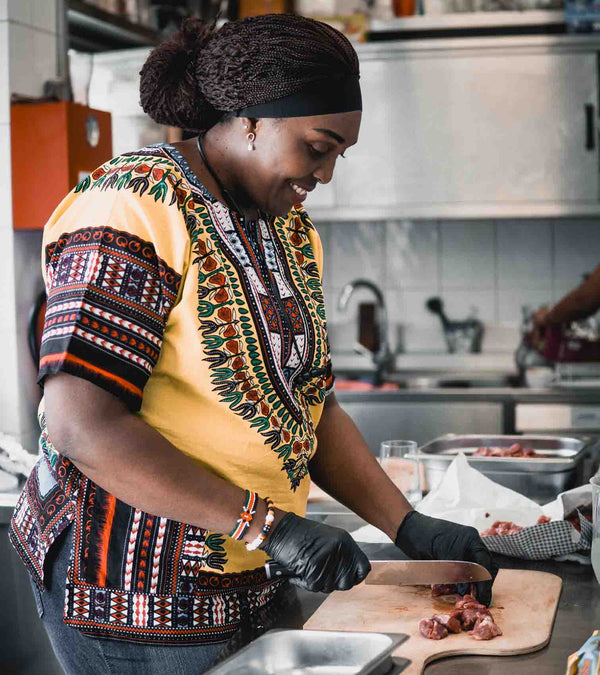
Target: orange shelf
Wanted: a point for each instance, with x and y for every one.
(50, 154)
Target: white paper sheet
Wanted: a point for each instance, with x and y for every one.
(468, 497)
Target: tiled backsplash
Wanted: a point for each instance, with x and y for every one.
(489, 267)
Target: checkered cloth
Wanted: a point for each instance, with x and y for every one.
(540, 542)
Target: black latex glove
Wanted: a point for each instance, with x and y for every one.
(321, 557)
(425, 538)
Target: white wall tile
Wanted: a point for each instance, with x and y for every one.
(4, 72)
(501, 338)
(32, 56)
(3, 10)
(511, 301)
(577, 250)
(44, 49)
(22, 61)
(468, 259)
(524, 254)
(44, 15)
(357, 251)
(412, 260)
(21, 11)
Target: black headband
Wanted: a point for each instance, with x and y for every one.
(319, 98)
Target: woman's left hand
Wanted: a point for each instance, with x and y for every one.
(425, 538)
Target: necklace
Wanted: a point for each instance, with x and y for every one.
(227, 196)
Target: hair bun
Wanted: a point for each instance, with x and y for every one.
(169, 91)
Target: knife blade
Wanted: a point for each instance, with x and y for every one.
(423, 572)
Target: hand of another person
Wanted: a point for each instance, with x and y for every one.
(425, 538)
(322, 558)
(540, 321)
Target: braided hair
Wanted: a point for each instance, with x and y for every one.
(194, 79)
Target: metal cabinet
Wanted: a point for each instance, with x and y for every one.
(474, 127)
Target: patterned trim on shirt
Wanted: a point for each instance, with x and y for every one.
(144, 578)
(109, 296)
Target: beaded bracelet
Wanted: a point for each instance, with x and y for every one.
(264, 533)
(248, 511)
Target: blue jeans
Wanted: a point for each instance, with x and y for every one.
(80, 654)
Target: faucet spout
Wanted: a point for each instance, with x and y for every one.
(381, 356)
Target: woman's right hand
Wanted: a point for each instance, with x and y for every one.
(321, 557)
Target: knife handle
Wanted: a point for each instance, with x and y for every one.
(276, 570)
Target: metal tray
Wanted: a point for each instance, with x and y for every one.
(539, 478)
(315, 652)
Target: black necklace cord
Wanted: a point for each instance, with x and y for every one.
(227, 196)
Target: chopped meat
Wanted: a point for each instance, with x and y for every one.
(432, 630)
(470, 617)
(543, 519)
(452, 623)
(485, 629)
(515, 450)
(468, 614)
(501, 527)
(443, 589)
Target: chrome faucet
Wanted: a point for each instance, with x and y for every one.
(381, 357)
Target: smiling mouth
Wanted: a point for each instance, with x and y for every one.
(300, 191)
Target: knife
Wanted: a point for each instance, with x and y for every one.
(407, 572)
(424, 572)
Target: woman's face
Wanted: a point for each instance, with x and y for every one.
(293, 155)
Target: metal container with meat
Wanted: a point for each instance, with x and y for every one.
(554, 466)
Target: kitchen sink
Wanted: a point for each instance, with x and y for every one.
(451, 381)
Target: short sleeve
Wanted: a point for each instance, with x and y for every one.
(113, 263)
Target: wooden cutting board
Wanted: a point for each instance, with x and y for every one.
(524, 607)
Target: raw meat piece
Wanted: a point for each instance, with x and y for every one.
(468, 611)
(485, 629)
(452, 623)
(515, 450)
(543, 519)
(432, 630)
(501, 527)
(470, 617)
(443, 589)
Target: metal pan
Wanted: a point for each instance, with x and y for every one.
(539, 478)
(314, 652)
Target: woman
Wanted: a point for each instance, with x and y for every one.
(186, 367)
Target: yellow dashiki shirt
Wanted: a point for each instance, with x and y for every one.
(213, 331)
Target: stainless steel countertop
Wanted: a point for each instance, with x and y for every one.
(490, 394)
(578, 615)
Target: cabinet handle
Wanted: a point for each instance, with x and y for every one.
(590, 141)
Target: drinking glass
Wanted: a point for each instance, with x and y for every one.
(400, 460)
(595, 482)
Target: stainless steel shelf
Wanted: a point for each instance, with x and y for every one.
(93, 30)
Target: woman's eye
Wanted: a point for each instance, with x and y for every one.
(317, 151)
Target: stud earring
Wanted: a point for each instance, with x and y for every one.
(251, 138)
